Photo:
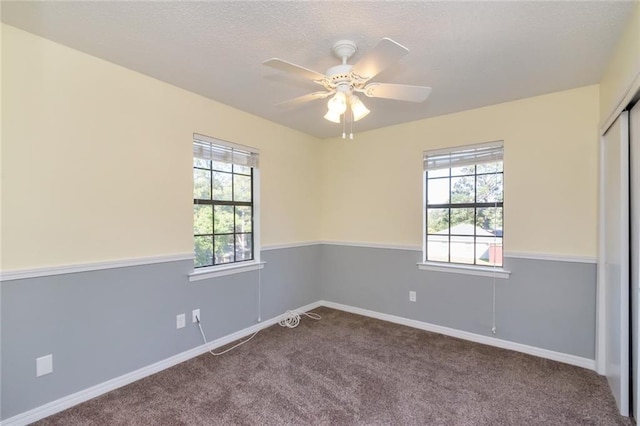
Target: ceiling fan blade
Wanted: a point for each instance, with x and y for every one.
(401, 92)
(285, 66)
(379, 58)
(305, 98)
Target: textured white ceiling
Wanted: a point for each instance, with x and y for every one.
(472, 53)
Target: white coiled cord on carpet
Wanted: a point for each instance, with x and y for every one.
(291, 319)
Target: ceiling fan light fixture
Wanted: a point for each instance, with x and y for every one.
(338, 103)
(332, 116)
(358, 109)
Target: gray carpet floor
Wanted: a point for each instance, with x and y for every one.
(351, 370)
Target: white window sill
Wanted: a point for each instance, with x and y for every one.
(482, 271)
(220, 271)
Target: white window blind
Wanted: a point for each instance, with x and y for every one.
(463, 156)
(209, 148)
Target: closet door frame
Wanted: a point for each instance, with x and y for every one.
(613, 261)
(634, 213)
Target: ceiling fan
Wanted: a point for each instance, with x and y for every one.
(344, 81)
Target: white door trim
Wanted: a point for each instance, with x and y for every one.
(616, 293)
(601, 332)
(634, 204)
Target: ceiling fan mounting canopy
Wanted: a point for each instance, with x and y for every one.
(345, 79)
(344, 49)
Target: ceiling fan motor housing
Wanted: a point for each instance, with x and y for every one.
(339, 74)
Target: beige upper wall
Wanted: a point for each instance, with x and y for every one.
(623, 68)
(96, 165)
(96, 160)
(372, 191)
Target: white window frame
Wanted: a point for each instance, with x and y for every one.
(235, 268)
(484, 271)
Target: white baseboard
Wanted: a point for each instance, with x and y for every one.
(465, 335)
(97, 390)
(115, 383)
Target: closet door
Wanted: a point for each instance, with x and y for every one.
(614, 256)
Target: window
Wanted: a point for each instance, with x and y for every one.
(464, 205)
(224, 213)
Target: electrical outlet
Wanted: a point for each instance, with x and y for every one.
(44, 365)
(180, 321)
(195, 313)
(412, 296)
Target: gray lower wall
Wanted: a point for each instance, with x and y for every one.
(546, 304)
(102, 324)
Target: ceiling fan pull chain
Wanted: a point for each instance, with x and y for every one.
(351, 125)
(344, 129)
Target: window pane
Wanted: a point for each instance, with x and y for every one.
(437, 221)
(438, 173)
(461, 171)
(462, 190)
(438, 191)
(223, 220)
(438, 248)
(244, 170)
(223, 245)
(462, 232)
(199, 162)
(202, 219)
(489, 188)
(203, 247)
(490, 220)
(241, 188)
(201, 184)
(223, 167)
(243, 219)
(222, 186)
(489, 167)
(243, 247)
(462, 249)
(462, 222)
(489, 251)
